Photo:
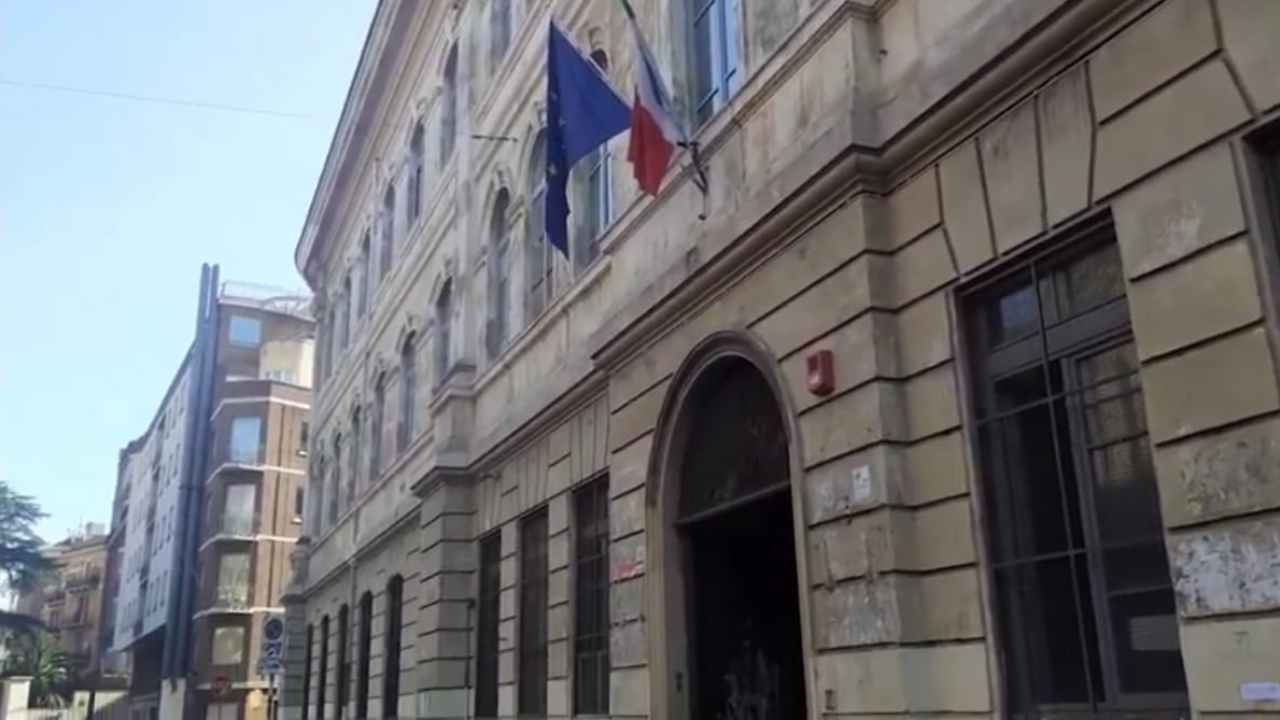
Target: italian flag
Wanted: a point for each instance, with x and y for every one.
(654, 130)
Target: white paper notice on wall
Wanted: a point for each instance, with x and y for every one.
(1260, 691)
(860, 484)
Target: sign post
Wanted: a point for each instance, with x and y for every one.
(271, 662)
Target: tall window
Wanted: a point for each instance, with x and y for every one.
(324, 667)
(532, 691)
(344, 667)
(344, 315)
(246, 440)
(391, 648)
(449, 112)
(375, 430)
(317, 478)
(306, 670)
(336, 484)
(237, 508)
(228, 645)
(487, 626)
(362, 297)
(499, 31)
(348, 296)
(413, 203)
(713, 58)
(366, 644)
(387, 231)
(1082, 585)
(500, 274)
(408, 391)
(233, 579)
(591, 609)
(539, 264)
(444, 323)
(353, 482)
(331, 340)
(599, 191)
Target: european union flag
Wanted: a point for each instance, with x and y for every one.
(582, 113)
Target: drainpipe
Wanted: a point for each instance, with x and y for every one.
(184, 584)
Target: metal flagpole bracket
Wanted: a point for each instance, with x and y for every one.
(700, 174)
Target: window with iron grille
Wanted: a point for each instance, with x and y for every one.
(391, 648)
(487, 626)
(324, 667)
(366, 645)
(306, 670)
(532, 675)
(591, 599)
(1082, 585)
(344, 666)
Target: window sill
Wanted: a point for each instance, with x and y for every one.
(521, 342)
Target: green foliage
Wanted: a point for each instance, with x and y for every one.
(21, 559)
(38, 656)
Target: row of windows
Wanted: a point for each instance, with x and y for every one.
(391, 641)
(713, 37)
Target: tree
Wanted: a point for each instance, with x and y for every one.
(22, 563)
(38, 656)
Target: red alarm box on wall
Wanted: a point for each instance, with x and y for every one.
(821, 372)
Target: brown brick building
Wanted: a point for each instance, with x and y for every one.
(1035, 241)
(208, 508)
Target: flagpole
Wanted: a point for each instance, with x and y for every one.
(700, 180)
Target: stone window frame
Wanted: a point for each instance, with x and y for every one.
(1261, 167)
(1104, 330)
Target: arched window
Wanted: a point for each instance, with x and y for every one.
(499, 31)
(362, 302)
(444, 323)
(335, 486)
(413, 202)
(353, 483)
(408, 389)
(344, 661)
(366, 644)
(375, 428)
(387, 232)
(597, 185)
(449, 111)
(497, 332)
(539, 264)
(344, 314)
(318, 480)
(713, 55)
(323, 680)
(391, 647)
(331, 339)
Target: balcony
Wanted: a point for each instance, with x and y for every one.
(82, 579)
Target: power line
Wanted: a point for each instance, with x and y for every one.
(154, 99)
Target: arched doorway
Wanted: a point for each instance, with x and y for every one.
(726, 554)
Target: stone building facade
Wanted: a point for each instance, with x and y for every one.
(68, 599)
(962, 398)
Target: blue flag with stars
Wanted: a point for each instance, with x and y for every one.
(582, 113)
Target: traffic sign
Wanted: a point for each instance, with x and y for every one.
(271, 661)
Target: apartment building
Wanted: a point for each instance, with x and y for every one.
(208, 507)
(68, 599)
(955, 394)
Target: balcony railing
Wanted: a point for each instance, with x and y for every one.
(84, 578)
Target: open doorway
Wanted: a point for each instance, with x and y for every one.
(733, 526)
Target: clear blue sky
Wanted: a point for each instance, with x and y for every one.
(108, 207)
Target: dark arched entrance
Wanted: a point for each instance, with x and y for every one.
(731, 552)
